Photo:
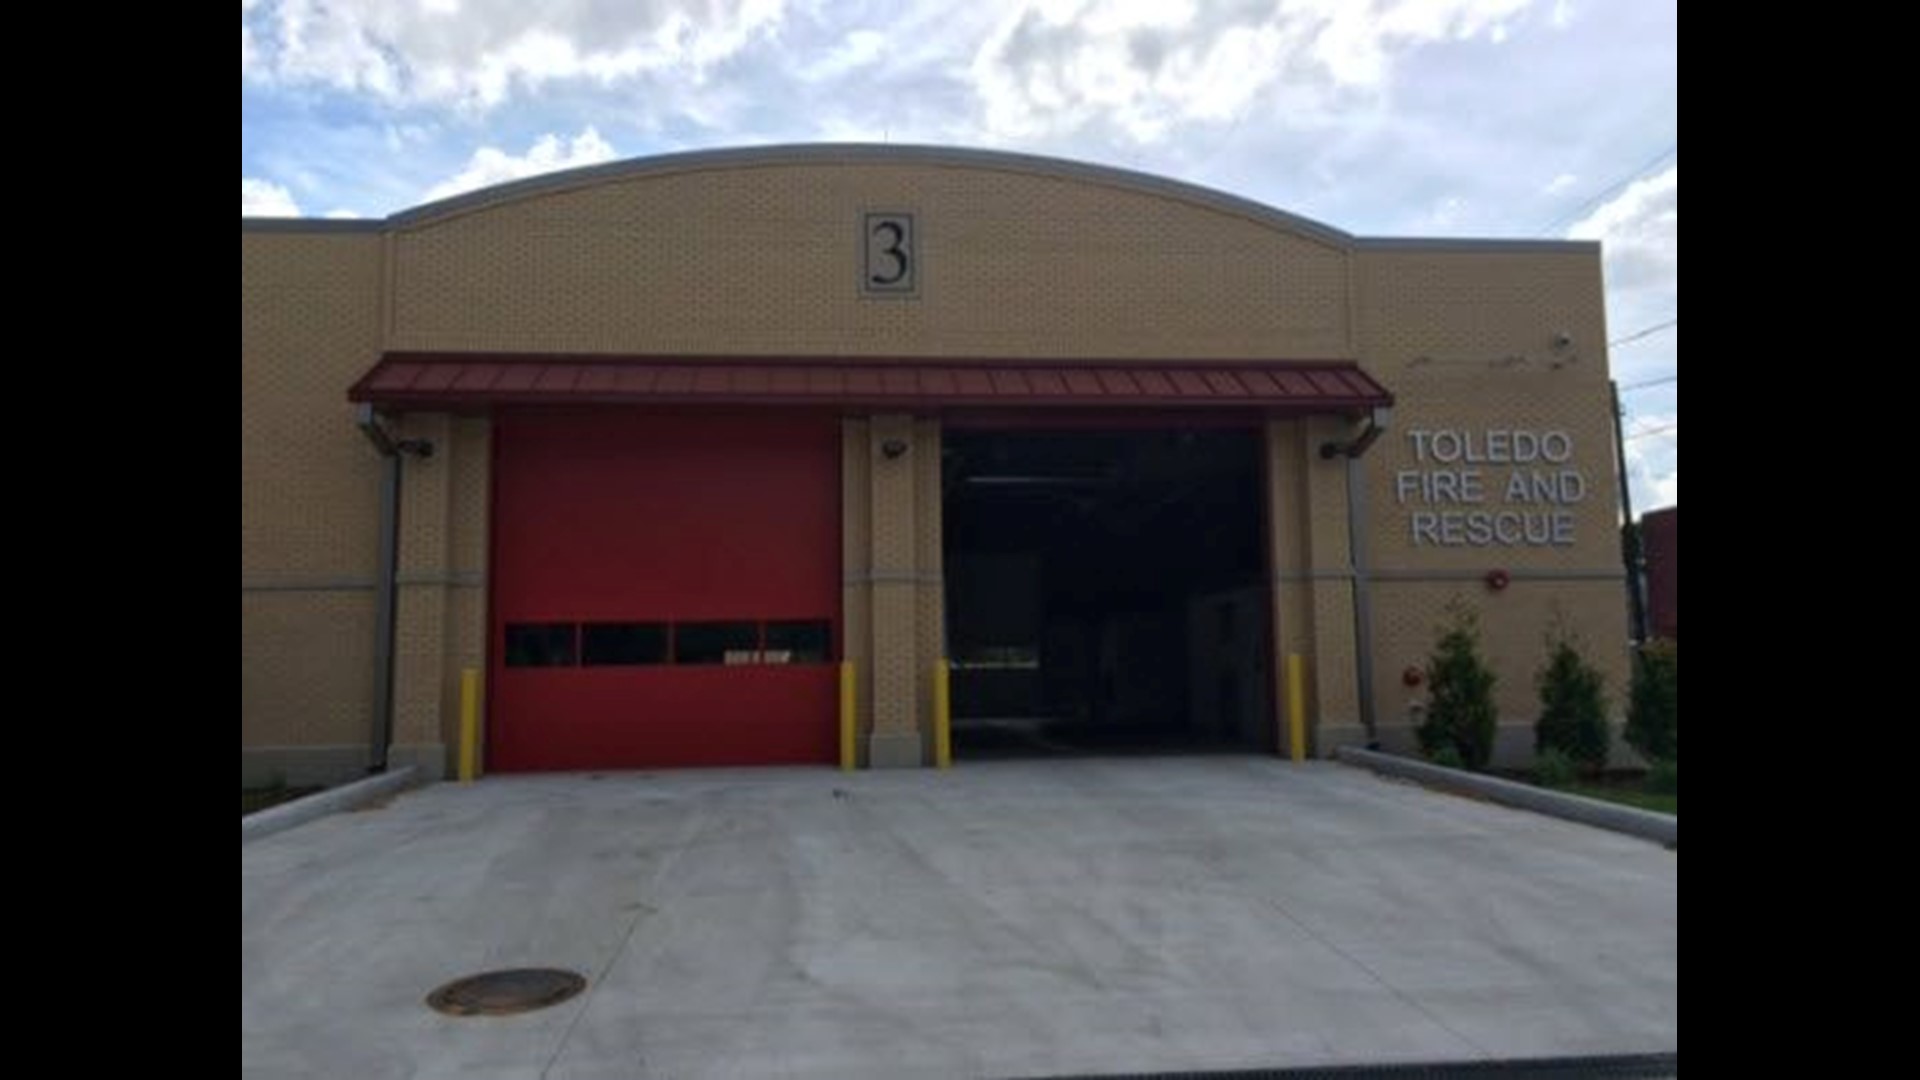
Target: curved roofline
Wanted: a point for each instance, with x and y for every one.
(869, 154)
(910, 154)
(312, 225)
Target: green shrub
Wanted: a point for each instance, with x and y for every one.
(1653, 705)
(1460, 709)
(1573, 706)
(1663, 778)
(1552, 768)
(1447, 758)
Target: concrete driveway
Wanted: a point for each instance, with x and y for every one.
(1001, 919)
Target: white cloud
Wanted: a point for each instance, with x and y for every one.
(1560, 184)
(343, 214)
(857, 50)
(262, 198)
(1054, 66)
(249, 52)
(1653, 460)
(1445, 216)
(475, 53)
(491, 165)
(1640, 229)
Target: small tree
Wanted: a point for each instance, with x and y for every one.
(1573, 706)
(1460, 710)
(1653, 705)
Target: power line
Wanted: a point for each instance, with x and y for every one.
(1608, 192)
(1661, 430)
(1638, 334)
(1650, 382)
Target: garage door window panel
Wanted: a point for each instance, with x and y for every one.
(540, 645)
(729, 643)
(623, 644)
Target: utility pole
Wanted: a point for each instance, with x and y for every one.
(1630, 532)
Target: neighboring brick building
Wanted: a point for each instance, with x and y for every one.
(699, 426)
(1660, 547)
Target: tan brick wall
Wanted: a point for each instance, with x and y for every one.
(766, 260)
(1289, 556)
(1513, 627)
(309, 325)
(306, 668)
(856, 568)
(469, 517)
(443, 571)
(894, 575)
(929, 625)
(419, 659)
(1467, 341)
(1313, 590)
(892, 599)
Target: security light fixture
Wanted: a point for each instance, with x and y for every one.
(1377, 420)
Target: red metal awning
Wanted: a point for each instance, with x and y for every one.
(466, 380)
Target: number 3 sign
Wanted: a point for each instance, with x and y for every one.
(890, 268)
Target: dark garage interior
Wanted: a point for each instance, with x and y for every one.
(1106, 592)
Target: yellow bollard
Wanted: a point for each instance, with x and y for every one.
(1296, 707)
(469, 724)
(847, 759)
(942, 716)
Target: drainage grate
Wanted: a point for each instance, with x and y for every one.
(503, 993)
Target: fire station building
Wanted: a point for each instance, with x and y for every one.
(656, 446)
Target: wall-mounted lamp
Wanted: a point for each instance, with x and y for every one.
(1563, 353)
(378, 430)
(893, 448)
(1376, 425)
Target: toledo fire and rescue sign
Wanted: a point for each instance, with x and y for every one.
(1531, 476)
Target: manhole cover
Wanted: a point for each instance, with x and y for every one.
(502, 993)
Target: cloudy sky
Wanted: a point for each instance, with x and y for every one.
(1503, 118)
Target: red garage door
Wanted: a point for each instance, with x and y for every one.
(665, 589)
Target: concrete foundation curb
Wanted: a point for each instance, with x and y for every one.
(1661, 828)
(331, 801)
